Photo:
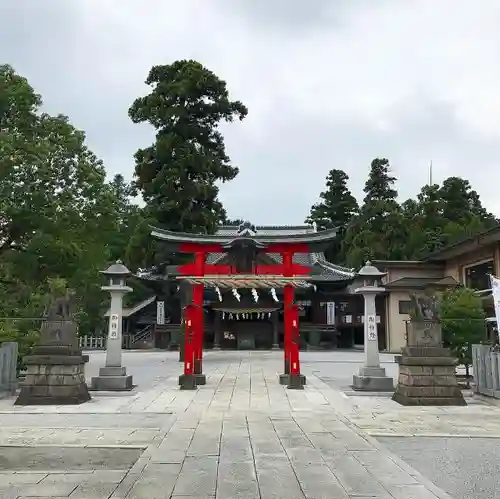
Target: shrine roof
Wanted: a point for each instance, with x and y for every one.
(321, 269)
(302, 234)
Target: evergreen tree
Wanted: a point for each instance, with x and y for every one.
(378, 231)
(179, 174)
(336, 208)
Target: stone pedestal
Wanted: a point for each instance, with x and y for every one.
(55, 372)
(296, 382)
(187, 382)
(372, 379)
(284, 379)
(426, 369)
(112, 379)
(201, 379)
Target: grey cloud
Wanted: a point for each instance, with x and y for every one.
(286, 180)
(284, 151)
(292, 15)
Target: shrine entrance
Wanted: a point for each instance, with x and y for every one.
(248, 275)
(245, 328)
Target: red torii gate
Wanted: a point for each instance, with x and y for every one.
(243, 272)
(199, 273)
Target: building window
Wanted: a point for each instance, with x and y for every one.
(477, 276)
(405, 306)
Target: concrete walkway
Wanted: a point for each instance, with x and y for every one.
(242, 436)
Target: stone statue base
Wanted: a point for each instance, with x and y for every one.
(372, 379)
(427, 377)
(112, 379)
(55, 373)
(426, 369)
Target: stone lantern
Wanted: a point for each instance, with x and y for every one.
(371, 376)
(113, 376)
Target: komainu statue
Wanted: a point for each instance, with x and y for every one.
(424, 307)
(61, 308)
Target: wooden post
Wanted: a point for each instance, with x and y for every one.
(296, 380)
(198, 290)
(287, 311)
(187, 381)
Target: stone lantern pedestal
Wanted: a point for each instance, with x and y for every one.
(113, 376)
(371, 376)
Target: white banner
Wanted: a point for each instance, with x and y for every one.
(372, 327)
(330, 313)
(160, 312)
(495, 291)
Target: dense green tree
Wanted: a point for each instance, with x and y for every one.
(336, 208)
(442, 215)
(337, 205)
(58, 215)
(179, 173)
(425, 222)
(463, 322)
(378, 231)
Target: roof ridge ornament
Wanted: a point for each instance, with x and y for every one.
(247, 229)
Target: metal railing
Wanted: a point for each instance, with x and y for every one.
(8, 367)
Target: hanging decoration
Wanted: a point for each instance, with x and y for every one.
(217, 290)
(273, 294)
(255, 295)
(236, 294)
(223, 315)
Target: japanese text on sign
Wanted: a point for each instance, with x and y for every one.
(113, 326)
(330, 313)
(372, 327)
(160, 312)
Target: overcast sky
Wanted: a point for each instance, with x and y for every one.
(328, 84)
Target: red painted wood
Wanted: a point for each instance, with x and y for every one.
(211, 269)
(188, 340)
(287, 263)
(295, 341)
(287, 310)
(198, 323)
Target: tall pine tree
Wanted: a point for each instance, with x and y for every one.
(179, 174)
(378, 231)
(336, 208)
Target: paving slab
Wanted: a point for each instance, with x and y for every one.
(241, 436)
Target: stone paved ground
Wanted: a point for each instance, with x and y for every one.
(242, 436)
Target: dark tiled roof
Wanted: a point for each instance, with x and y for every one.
(322, 269)
(421, 282)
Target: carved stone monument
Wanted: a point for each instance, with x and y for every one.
(426, 368)
(55, 372)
